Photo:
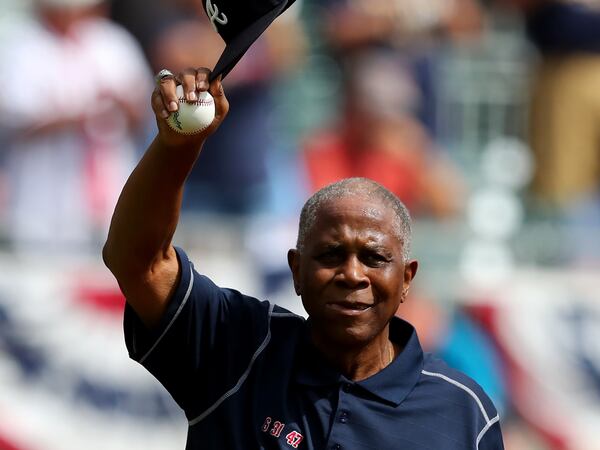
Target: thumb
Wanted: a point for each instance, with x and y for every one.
(221, 102)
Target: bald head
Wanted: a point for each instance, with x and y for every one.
(356, 187)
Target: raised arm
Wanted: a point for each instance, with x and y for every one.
(138, 250)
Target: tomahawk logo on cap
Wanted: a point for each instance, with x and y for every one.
(240, 23)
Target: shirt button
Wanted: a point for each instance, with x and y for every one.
(347, 387)
(343, 417)
(337, 447)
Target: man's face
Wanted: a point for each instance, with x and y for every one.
(351, 273)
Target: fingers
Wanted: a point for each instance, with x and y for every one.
(164, 97)
(192, 81)
(202, 75)
(221, 102)
(187, 79)
(158, 106)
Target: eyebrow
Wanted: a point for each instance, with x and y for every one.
(379, 249)
(372, 246)
(329, 245)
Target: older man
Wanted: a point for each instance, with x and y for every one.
(251, 375)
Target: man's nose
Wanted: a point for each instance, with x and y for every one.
(352, 273)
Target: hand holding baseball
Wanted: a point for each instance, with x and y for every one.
(183, 112)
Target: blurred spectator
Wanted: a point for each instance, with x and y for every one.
(170, 31)
(231, 176)
(410, 30)
(74, 83)
(565, 118)
(386, 51)
(379, 137)
(565, 121)
(352, 23)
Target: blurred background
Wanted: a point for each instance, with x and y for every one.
(483, 116)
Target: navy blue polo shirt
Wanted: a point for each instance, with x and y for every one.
(248, 377)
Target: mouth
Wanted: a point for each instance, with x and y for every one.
(349, 308)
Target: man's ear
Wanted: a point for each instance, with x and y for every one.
(294, 263)
(410, 270)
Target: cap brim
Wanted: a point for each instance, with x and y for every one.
(239, 45)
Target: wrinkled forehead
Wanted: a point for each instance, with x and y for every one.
(359, 210)
(365, 201)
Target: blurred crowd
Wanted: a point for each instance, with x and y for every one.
(483, 116)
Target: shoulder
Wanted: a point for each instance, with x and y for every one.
(285, 325)
(282, 313)
(195, 287)
(454, 395)
(457, 389)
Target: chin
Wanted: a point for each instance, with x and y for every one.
(348, 336)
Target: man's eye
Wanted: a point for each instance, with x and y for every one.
(329, 256)
(375, 259)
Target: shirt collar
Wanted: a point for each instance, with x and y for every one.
(392, 384)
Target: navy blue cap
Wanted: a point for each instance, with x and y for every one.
(240, 23)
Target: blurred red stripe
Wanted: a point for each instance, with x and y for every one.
(103, 298)
(518, 379)
(5, 444)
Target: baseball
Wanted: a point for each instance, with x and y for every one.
(192, 117)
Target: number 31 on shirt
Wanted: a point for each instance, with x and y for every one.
(293, 438)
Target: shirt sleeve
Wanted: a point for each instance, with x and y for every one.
(206, 340)
(491, 437)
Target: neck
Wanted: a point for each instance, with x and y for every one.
(359, 362)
